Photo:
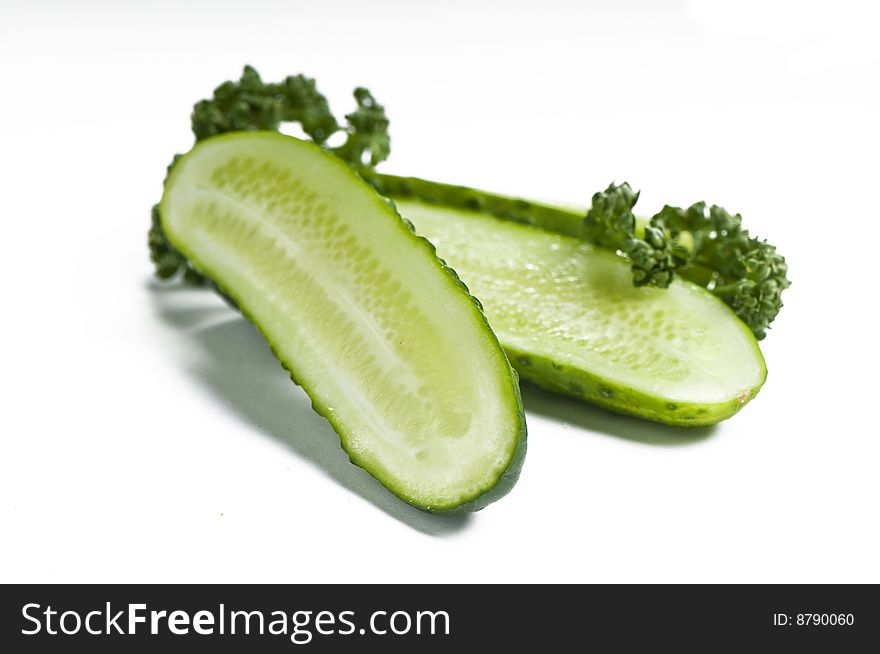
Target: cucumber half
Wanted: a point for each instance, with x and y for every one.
(384, 338)
(572, 322)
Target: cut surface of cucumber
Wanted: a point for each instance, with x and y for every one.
(383, 337)
(572, 322)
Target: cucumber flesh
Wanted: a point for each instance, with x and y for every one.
(572, 322)
(383, 337)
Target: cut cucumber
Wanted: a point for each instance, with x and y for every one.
(379, 332)
(572, 322)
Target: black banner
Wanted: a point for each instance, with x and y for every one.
(113, 618)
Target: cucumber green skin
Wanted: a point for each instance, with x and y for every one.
(517, 210)
(467, 504)
(551, 375)
(583, 385)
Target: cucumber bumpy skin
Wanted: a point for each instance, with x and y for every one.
(380, 333)
(572, 322)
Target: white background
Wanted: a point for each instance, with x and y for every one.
(148, 434)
